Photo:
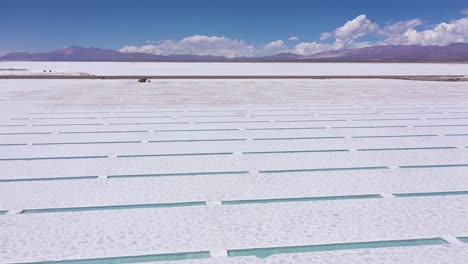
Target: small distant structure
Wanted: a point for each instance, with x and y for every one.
(144, 80)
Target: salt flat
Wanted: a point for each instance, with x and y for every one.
(229, 69)
(234, 171)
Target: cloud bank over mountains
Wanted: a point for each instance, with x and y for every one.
(353, 34)
(197, 45)
(4, 52)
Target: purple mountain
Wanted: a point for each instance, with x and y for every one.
(452, 52)
(457, 52)
(75, 53)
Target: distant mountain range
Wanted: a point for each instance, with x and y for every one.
(457, 52)
(75, 53)
(452, 52)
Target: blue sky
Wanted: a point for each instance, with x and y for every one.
(51, 24)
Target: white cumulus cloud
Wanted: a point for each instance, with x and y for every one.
(352, 34)
(345, 36)
(3, 52)
(197, 45)
(274, 47)
(277, 44)
(352, 30)
(440, 34)
(309, 48)
(400, 27)
(326, 35)
(397, 33)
